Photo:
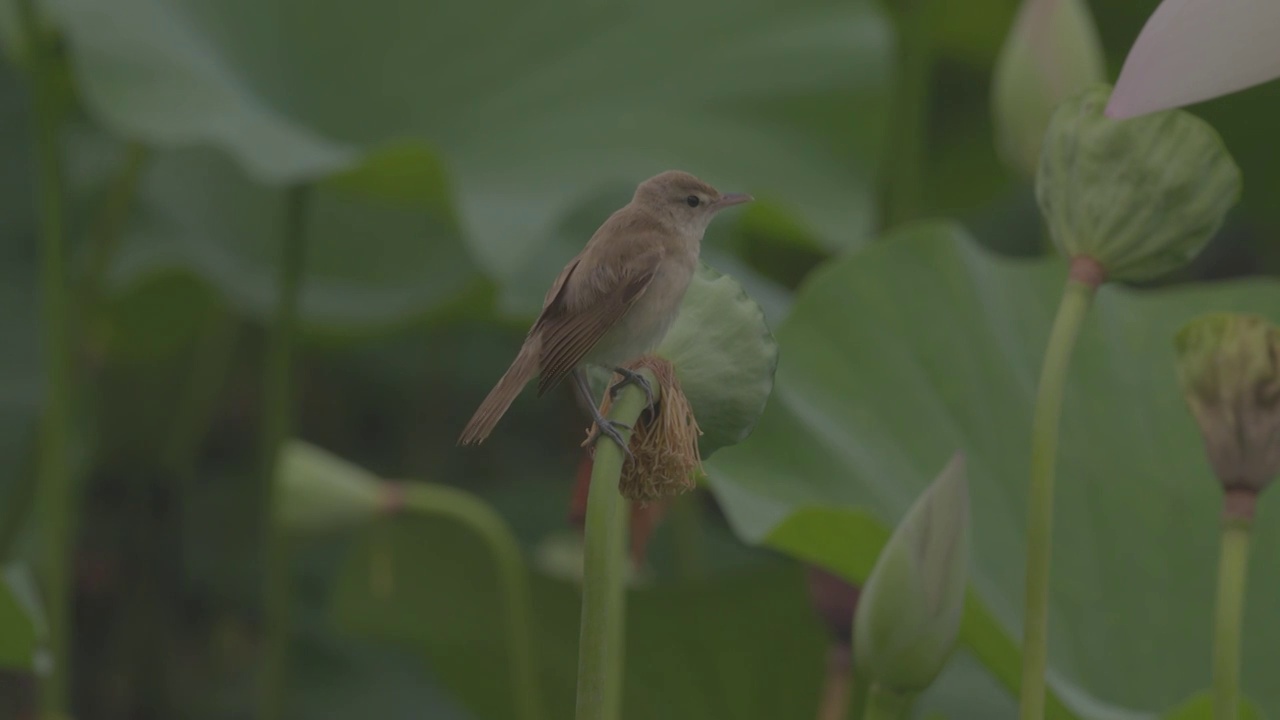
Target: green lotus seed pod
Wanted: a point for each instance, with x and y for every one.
(1052, 53)
(1227, 366)
(320, 491)
(1141, 196)
(908, 615)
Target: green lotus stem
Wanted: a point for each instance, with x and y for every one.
(106, 232)
(54, 492)
(276, 412)
(601, 635)
(837, 685)
(990, 643)
(883, 704)
(1078, 295)
(110, 226)
(439, 500)
(904, 165)
(1228, 616)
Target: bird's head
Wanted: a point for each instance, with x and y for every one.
(684, 200)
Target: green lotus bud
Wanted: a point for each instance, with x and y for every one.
(1052, 53)
(320, 491)
(908, 615)
(1229, 368)
(1140, 196)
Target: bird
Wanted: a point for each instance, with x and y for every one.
(615, 300)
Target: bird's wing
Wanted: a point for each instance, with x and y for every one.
(557, 287)
(588, 303)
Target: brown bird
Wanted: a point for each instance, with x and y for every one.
(616, 299)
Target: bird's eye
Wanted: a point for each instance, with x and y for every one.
(693, 201)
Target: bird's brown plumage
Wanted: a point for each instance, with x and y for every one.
(616, 298)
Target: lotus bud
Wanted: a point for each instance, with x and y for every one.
(908, 613)
(1051, 53)
(320, 491)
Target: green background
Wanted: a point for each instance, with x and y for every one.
(458, 154)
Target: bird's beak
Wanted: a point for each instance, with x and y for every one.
(729, 199)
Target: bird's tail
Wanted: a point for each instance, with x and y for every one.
(501, 396)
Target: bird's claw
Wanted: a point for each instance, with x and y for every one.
(609, 428)
(630, 377)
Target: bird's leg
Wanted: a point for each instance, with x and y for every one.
(630, 377)
(606, 426)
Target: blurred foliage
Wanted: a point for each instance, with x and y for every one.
(1200, 707)
(874, 397)
(21, 623)
(461, 153)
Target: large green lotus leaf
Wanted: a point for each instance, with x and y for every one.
(336, 681)
(744, 644)
(530, 106)
(924, 344)
(333, 677)
(1200, 707)
(369, 261)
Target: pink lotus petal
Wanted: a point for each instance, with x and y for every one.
(1193, 50)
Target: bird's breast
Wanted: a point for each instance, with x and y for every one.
(646, 323)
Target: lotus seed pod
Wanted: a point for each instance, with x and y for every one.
(1141, 196)
(1229, 369)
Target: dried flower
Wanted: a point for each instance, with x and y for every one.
(1229, 368)
(665, 460)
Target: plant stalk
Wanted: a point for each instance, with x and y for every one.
(990, 643)
(1082, 284)
(439, 500)
(106, 231)
(109, 227)
(276, 420)
(601, 634)
(883, 704)
(54, 491)
(904, 162)
(838, 684)
(1228, 616)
